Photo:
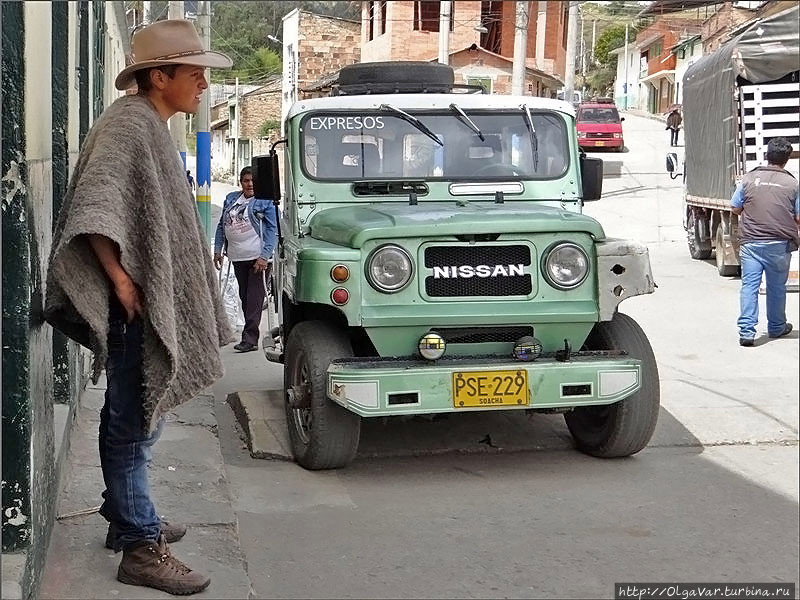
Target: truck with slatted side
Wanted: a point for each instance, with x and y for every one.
(735, 100)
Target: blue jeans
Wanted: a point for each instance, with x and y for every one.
(125, 445)
(771, 259)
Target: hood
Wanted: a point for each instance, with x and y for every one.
(351, 226)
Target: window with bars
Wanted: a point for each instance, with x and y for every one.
(98, 66)
(426, 15)
(376, 11)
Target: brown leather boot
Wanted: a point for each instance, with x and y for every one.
(149, 563)
(172, 532)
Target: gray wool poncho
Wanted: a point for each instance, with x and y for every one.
(130, 186)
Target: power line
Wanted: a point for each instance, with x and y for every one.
(241, 58)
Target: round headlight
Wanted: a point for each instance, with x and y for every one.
(566, 266)
(389, 269)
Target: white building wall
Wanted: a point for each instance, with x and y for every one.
(692, 53)
(114, 53)
(632, 78)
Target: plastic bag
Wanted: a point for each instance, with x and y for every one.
(229, 290)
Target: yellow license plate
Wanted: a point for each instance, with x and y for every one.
(599, 143)
(485, 389)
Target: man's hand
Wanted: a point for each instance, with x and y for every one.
(108, 253)
(260, 265)
(130, 296)
(218, 260)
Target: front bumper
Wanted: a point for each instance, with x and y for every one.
(366, 386)
(600, 143)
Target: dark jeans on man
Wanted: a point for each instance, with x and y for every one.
(251, 294)
(673, 136)
(124, 443)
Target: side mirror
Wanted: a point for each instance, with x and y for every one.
(266, 177)
(672, 165)
(591, 177)
(621, 119)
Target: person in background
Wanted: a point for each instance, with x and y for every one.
(768, 203)
(191, 179)
(247, 233)
(674, 125)
(154, 323)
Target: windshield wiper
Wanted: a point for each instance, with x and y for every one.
(413, 120)
(534, 139)
(455, 107)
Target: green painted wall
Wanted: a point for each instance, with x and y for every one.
(16, 491)
(63, 350)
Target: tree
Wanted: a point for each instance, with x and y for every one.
(242, 30)
(611, 39)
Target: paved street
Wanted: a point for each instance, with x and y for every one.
(713, 499)
(427, 511)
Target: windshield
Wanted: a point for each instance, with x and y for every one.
(382, 145)
(598, 115)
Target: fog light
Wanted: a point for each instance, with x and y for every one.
(340, 273)
(431, 346)
(527, 348)
(340, 296)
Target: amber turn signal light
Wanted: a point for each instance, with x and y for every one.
(340, 273)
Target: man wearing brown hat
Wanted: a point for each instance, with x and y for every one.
(131, 278)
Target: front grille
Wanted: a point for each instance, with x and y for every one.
(482, 335)
(598, 135)
(451, 282)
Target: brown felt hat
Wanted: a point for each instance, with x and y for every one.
(169, 42)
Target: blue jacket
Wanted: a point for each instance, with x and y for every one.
(257, 210)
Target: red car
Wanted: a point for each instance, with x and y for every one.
(599, 126)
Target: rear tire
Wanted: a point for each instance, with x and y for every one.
(323, 435)
(625, 427)
(699, 249)
(723, 268)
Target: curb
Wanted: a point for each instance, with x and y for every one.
(644, 114)
(263, 420)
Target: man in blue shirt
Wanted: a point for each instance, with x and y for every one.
(768, 203)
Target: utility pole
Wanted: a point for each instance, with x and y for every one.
(444, 31)
(177, 123)
(520, 49)
(594, 35)
(583, 48)
(236, 119)
(625, 85)
(148, 11)
(541, 29)
(569, 76)
(203, 146)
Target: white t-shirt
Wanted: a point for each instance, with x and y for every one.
(244, 242)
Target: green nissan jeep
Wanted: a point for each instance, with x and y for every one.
(433, 258)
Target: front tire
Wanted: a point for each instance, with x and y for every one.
(323, 435)
(625, 427)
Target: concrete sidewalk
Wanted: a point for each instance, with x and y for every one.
(189, 485)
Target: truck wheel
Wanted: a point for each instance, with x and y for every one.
(724, 269)
(625, 427)
(699, 249)
(323, 435)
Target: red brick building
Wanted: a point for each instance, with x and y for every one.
(657, 62)
(481, 39)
